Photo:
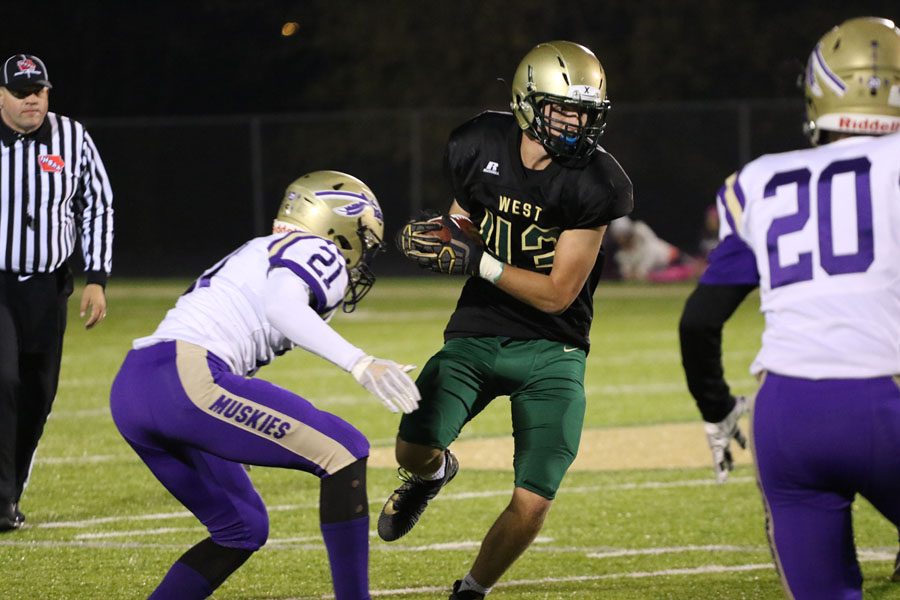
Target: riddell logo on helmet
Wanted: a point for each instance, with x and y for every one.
(868, 125)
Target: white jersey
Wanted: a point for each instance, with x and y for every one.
(824, 226)
(224, 311)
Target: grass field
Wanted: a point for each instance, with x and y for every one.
(638, 518)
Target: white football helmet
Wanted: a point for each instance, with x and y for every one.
(340, 208)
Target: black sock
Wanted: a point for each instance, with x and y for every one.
(214, 562)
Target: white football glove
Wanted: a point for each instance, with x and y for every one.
(719, 436)
(389, 381)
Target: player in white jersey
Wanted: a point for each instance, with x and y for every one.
(184, 399)
(823, 227)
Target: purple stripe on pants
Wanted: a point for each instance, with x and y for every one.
(818, 443)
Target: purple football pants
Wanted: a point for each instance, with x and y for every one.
(194, 423)
(818, 443)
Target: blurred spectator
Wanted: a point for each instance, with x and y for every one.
(641, 255)
(710, 236)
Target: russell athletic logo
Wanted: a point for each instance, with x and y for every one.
(250, 417)
(492, 168)
(51, 163)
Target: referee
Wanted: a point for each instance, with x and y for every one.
(52, 186)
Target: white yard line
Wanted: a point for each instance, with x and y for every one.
(182, 514)
(461, 545)
(865, 555)
(91, 459)
(315, 543)
(617, 552)
(701, 570)
(298, 540)
(79, 413)
(4, 543)
(133, 532)
(645, 485)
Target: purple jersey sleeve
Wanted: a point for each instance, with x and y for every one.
(731, 263)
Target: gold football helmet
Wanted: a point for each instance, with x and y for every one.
(340, 208)
(561, 77)
(852, 79)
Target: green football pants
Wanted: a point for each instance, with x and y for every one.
(545, 384)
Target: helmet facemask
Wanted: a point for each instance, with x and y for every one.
(570, 143)
(361, 278)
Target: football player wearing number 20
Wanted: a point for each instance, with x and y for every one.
(541, 192)
(820, 230)
(185, 401)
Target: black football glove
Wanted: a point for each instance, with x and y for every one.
(460, 255)
(416, 241)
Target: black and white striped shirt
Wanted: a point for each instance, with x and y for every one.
(52, 185)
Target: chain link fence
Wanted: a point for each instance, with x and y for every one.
(190, 189)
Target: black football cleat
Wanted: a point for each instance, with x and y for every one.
(10, 516)
(895, 576)
(403, 509)
(465, 594)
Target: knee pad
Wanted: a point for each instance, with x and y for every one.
(258, 531)
(342, 495)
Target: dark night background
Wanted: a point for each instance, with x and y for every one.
(203, 111)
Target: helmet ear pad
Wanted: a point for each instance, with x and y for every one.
(524, 111)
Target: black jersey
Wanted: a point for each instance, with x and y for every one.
(521, 213)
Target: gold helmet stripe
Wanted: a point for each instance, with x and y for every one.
(733, 204)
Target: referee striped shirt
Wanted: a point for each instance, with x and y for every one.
(53, 186)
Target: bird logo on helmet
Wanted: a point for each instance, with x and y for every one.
(852, 80)
(341, 208)
(555, 78)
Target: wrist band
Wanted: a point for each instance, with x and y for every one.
(490, 268)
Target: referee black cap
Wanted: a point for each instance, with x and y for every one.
(24, 70)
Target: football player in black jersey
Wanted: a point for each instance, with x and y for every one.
(541, 192)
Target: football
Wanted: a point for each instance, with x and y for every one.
(463, 222)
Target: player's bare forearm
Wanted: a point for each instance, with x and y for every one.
(535, 289)
(574, 258)
(576, 253)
